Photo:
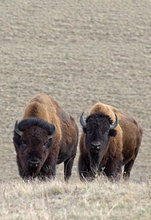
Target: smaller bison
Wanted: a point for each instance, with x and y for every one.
(110, 139)
(45, 136)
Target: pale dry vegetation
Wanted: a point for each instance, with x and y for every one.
(58, 200)
(80, 53)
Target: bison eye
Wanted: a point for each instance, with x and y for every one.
(45, 145)
(24, 146)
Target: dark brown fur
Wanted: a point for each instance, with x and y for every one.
(121, 149)
(34, 145)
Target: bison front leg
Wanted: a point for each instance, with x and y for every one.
(48, 172)
(85, 172)
(49, 168)
(113, 169)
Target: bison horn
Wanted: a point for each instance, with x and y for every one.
(115, 124)
(53, 132)
(17, 130)
(82, 121)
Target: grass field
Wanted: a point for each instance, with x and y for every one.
(57, 200)
(80, 53)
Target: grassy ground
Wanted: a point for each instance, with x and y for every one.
(57, 200)
(80, 53)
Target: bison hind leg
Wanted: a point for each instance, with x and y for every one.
(127, 169)
(68, 164)
(129, 165)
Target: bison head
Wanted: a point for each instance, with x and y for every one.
(98, 129)
(33, 138)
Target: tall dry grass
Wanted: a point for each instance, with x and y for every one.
(53, 200)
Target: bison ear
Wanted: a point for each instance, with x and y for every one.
(112, 132)
(84, 130)
(53, 131)
(16, 139)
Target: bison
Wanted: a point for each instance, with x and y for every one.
(45, 136)
(110, 140)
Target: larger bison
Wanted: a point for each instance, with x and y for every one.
(45, 136)
(110, 139)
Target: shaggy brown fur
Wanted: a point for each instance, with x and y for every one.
(33, 146)
(121, 149)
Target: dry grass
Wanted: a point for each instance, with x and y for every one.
(79, 52)
(57, 200)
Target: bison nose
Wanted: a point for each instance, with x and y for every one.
(33, 163)
(96, 145)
